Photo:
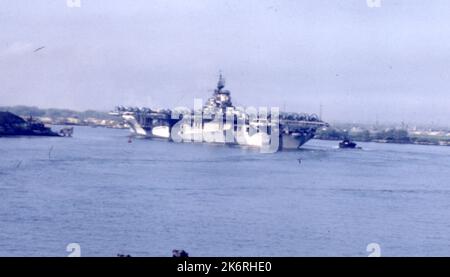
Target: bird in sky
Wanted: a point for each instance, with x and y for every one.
(40, 48)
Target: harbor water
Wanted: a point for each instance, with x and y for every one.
(148, 197)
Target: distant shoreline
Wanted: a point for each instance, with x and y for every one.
(397, 135)
(394, 142)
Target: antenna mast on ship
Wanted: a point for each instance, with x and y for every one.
(221, 82)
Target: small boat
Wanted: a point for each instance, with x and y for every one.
(347, 144)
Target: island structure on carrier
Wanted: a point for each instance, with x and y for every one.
(217, 119)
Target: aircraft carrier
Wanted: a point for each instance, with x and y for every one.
(218, 121)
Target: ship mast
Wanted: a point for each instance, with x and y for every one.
(220, 83)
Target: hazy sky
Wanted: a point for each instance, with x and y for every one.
(360, 63)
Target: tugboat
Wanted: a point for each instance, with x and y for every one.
(347, 144)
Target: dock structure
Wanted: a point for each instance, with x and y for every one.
(66, 132)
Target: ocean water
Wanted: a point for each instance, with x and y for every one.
(146, 198)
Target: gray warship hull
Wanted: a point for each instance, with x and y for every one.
(219, 122)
